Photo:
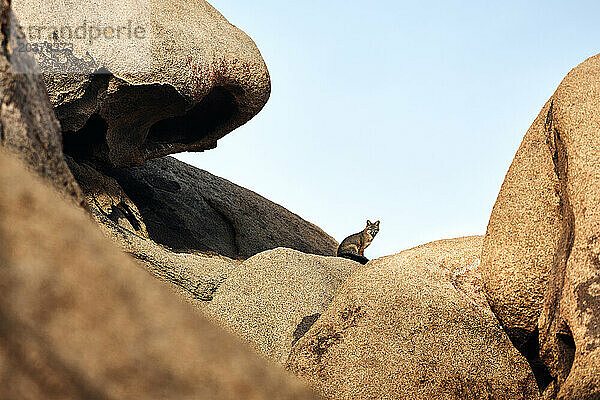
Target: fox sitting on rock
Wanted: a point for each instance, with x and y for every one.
(353, 247)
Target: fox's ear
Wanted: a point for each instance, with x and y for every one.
(368, 222)
(377, 223)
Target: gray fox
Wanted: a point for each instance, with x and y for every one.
(353, 247)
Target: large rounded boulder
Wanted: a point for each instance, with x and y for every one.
(136, 80)
(189, 227)
(400, 328)
(273, 298)
(523, 235)
(540, 261)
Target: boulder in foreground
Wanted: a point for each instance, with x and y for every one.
(80, 320)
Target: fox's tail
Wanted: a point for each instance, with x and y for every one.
(355, 257)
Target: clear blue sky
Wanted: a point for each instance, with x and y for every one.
(408, 112)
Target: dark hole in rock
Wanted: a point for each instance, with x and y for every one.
(89, 142)
(197, 129)
(566, 348)
(304, 325)
(529, 347)
(215, 110)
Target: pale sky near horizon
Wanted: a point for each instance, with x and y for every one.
(407, 112)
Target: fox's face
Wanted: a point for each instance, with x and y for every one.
(372, 228)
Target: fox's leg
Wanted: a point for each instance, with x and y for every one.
(361, 246)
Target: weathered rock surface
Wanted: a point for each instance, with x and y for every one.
(80, 320)
(272, 299)
(522, 236)
(540, 261)
(28, 126)
(196, 275)
(399, 328)
(465, 276)
(183, 80)
(187, 208)
(521, 243)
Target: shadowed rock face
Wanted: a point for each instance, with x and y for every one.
(80, 320)
(401, 328)
(171, 204)
(186, 208)
(28, 126)
(540, 258)
(198, 78)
